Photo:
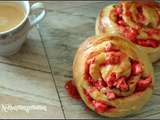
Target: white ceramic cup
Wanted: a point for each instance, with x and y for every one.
(12, 40)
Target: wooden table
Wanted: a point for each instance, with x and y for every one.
(37, 73)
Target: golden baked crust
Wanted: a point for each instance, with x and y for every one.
(137, 21)
(96, 60)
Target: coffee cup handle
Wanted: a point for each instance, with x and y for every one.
(37, 18)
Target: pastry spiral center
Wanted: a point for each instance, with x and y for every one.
(113, 74)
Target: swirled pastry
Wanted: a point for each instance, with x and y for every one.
(112, 76)
(137, 21)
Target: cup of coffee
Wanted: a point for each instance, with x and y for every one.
(15, 22)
